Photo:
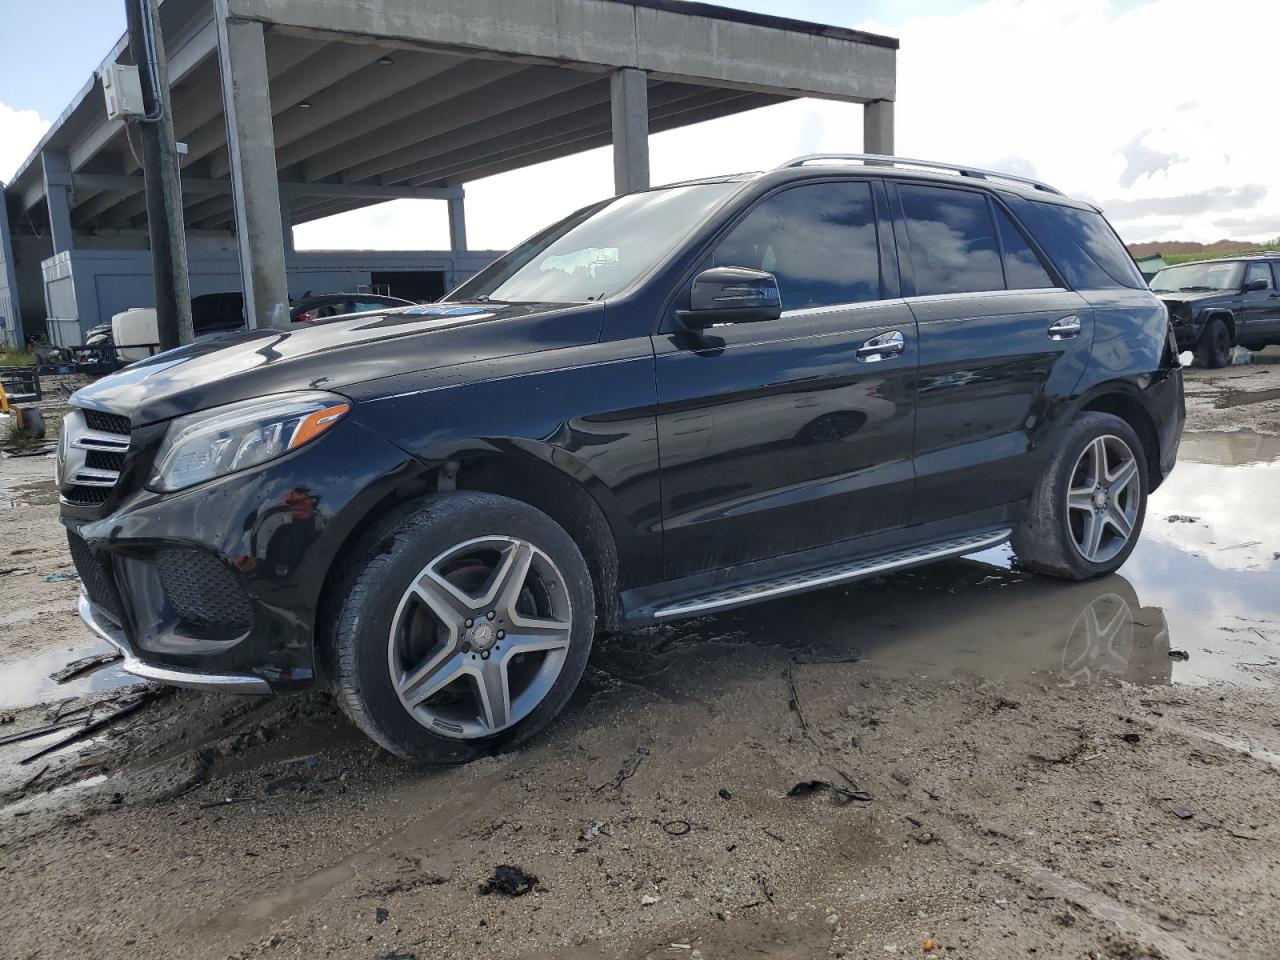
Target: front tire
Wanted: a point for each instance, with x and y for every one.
(1086, 514)
(462, 628)
(1214, 349)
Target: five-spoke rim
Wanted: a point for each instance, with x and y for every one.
(1103, 498)
(480, 636)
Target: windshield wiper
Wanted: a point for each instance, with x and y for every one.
(480, 299)
(1196, 289)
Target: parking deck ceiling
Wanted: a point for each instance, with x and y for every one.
(367, 105)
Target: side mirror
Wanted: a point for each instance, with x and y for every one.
(731, 295)
(1259, 284)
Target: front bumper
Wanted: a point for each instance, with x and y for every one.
(102, 624)
(160, 572)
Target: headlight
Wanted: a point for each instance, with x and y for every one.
(216, 442)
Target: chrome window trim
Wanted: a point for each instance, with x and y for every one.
(976, 294)
(837, 308)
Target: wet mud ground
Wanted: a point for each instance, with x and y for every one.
(1025, 768)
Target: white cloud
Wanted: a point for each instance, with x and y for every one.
(20, 131)
(1105, 102)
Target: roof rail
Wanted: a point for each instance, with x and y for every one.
(888, 161)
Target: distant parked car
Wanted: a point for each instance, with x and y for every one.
(1217, 304)
(309, 309)
(132, 335)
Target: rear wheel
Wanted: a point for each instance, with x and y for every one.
(464, 629)
(1214, 348)
(1086, 514)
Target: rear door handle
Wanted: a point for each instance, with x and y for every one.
(1065, 329)
(882, 347)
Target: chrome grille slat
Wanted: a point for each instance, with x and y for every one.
(91, 456)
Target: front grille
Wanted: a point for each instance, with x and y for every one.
(105, 460)
(86, 496)
(92, 456)
(93, 575)
(202, 590)
(106, 422)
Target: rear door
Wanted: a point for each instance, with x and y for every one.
(1000, 341)
(781, 436)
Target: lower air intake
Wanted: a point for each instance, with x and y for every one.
(202, 590)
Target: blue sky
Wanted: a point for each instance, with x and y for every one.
(54, 53)
(1099, 97)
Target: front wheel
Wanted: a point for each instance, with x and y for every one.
(464, 628)
(1085, 515)
(1214, 348)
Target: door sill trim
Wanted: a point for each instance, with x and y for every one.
(832, 574)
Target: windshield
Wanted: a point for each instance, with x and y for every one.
(598, 251)
(1199, 277)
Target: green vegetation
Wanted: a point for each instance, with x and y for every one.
(11, 357)
(1173, 258)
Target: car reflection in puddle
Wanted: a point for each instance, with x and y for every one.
(1202, 580)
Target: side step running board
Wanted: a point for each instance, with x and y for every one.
(831, 574)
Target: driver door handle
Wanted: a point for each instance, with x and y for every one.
(882, 347)
(1065, 329)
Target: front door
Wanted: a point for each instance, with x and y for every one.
(998, 338)
(1260, 309)
(780, 436)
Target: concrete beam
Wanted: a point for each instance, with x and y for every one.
(553, 110)
(535, 151)
(877, 127)
(242, 53)
(521, 106)
(374, 85)
(629, 95)
(449, 97)
(457, 225)
(694, 41)
(57, 192)
(664, 99)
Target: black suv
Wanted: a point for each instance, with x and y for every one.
(1215, 304)
(669, 403)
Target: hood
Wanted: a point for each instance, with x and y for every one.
(1193, 297)
(333, 354)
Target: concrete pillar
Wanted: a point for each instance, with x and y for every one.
(251, 150)
(457, 224)
(630, 94)
(57, 194)
(877, 127)
(286, 223)
(10, 301)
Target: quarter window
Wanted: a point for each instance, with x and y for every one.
(818, 239)
(1022, 267)
(953, 240)
(1258, 271)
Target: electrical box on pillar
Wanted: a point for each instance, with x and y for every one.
(122, 90)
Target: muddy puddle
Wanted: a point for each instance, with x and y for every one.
(26, 680)
(1201, 582)
(29, 493)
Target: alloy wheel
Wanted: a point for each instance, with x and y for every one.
(480, 637)
(1103, 499)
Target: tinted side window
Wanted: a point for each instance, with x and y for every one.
(1092, 234)
(1258, 271)
(953, 240)
(818, 239)
(1276, 267)
(1022, 267)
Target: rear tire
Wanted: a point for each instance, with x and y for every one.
(462, 627)
(1086, 514)
(1214, 348)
